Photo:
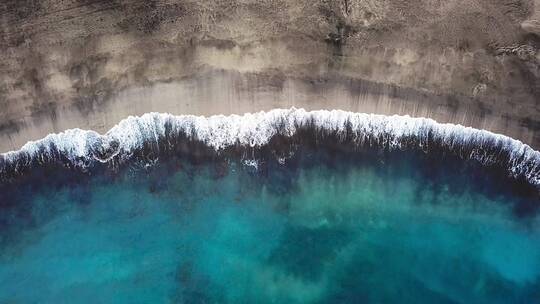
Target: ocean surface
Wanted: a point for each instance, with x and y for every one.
(311, 216)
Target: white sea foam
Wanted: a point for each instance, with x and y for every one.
(256, 129)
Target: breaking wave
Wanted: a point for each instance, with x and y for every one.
(153, 132)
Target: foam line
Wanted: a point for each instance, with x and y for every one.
(79, 147)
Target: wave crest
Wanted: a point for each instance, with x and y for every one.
(81, 148)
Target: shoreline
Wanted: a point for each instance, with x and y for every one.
(231, 92)
(154, 134)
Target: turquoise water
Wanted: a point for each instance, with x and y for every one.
(324, 227)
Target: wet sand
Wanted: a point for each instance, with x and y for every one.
(230, 92)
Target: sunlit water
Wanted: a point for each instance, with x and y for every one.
(320, 227)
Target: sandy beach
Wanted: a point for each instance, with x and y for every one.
(89, 65)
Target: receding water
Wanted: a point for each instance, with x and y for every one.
(324, 227)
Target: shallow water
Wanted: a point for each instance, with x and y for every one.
(323, 226)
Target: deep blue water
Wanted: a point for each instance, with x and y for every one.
(325, 226)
